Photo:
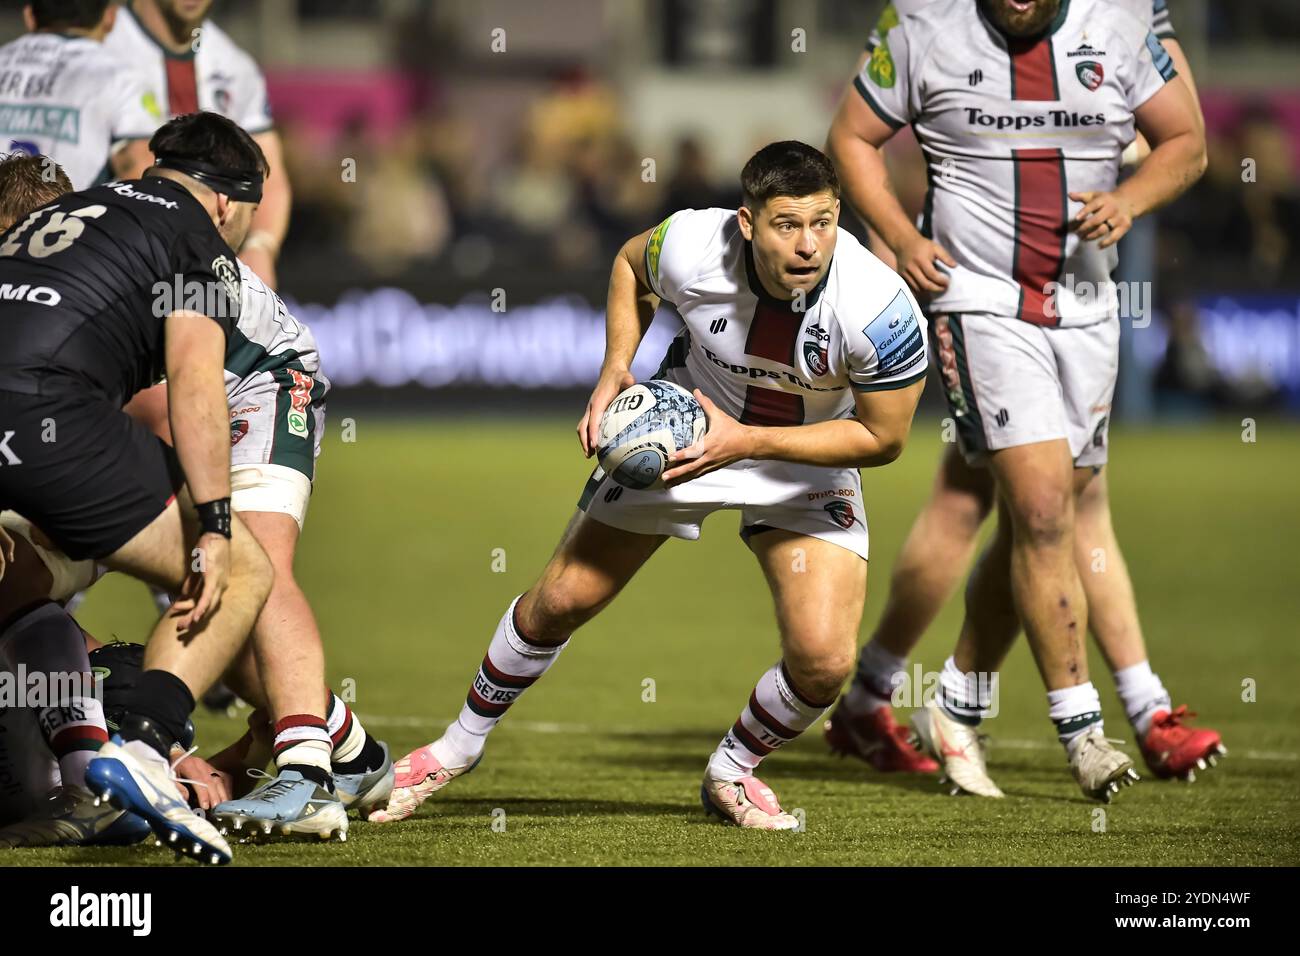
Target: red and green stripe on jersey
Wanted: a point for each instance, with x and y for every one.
(774, 335)
(1038, 246)
(182, 85)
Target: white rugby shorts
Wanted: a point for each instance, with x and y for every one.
(1009, 382)
(819, 502)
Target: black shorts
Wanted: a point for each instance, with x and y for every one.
(83, 471)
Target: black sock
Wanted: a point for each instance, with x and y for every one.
(371, 756)
(157, 710)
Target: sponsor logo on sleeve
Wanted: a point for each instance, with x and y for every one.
(150, 104)
(896, 335)
(881, 65)
(299, 399)
(654, 248)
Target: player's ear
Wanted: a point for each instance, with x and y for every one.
(108, 19)
(746, 220)
(29, 18)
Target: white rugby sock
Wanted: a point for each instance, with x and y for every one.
(302, 740)
(875, 681)
(964, 697)
(49, 642)
(345, 730)
(512, 664)
(1142, 694)
(1074, 710)
(774, 716)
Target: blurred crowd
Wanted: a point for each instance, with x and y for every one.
(570, 187)
(573, 183)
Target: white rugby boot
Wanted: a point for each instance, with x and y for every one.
(958, 748)
(1099, 768)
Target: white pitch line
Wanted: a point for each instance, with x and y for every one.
(547, 727)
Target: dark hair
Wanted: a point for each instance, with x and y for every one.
(788, 168)
(27, 183)
(62, 14)
(210, 138)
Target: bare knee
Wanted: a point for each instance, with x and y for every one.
(557, 605)
(1042, 518)
(962, 509)
(819, 668)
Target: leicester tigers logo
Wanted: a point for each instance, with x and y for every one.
(238, 429)
(815, 356)
(841, 512)
(1090, 74)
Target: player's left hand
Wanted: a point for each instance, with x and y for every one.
(725, 441)
(1104, 216)
(211, 786)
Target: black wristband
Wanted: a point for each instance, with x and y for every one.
(214, 517)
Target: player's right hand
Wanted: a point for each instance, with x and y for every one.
(205, 583)
(917, 265)
(612, 381)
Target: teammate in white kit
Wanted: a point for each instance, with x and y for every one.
(809, 356)
(64, 97)
(1023, 137)
(939, 548)
(187, 64)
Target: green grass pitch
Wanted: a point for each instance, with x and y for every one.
(398, 559)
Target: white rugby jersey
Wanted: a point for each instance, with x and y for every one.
(64, 97)
(218, 76)
(1008, 128)
(267, 337)
(761, 360)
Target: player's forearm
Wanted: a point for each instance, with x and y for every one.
(271, 221)
(629, 309)
(1171, 169)
(864, 179)
(200, 425)
(844, 443)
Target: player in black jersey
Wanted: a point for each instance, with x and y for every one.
(102, 293)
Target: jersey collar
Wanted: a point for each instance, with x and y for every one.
(783, 305)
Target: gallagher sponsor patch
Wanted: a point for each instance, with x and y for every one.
(896, 335)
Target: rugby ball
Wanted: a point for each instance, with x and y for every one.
(642, 426)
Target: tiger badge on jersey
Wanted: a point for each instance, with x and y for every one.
(1090, 74)
(814, 350)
